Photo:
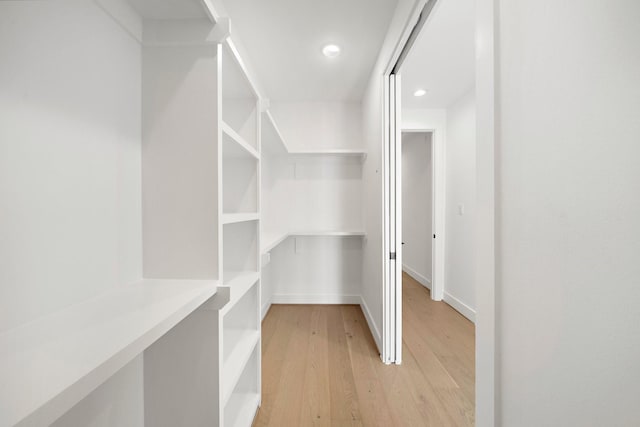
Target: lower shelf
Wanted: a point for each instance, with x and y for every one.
(238, 359)
(242, 409)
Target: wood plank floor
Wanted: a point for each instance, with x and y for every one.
(321, 367)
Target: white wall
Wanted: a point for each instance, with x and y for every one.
(179, 149)
(454, 129)
(314, 193)
(117, 402)
(568, 204)
(317, 270)
(70, 186)
(70, 157)
(319, 125)
(459, 289)
(417, 205)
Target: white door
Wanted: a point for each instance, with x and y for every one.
(392, 298)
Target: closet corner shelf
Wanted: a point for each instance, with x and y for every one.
(239, 217)
(275, 141)
(271, 240)
(49, 365)
(238, 282)
(235, 137)
(237, 360)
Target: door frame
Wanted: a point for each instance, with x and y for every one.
(486, 249)
(438, 208)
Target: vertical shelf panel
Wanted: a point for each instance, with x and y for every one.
(243, 402)
(239, 211)
(239, 100)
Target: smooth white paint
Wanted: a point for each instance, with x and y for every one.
(486, 343)
(284, 39)
(180, 198)
(417, 205)
(568, 236)
(312, 209)
(460, 306)
(52, 363)
(110, 404)
(442, 58)
(317, 269)
(454, 129)
(319, 125)
(70, 185)
(304, 193)
(461, 197)
(435, 121)
(169, 9)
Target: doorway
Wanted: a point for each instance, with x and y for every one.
(417, 206)
(461, 207)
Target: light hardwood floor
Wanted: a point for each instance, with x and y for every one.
(321, 367)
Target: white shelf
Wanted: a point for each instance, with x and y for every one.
(274, 142)
(239, 141)
(331, 152)
(238, 283)
(272, 240)
(237, 361)
(272, 139)
(239, 217)
(49, 365)
(245, 406)
(336, 233)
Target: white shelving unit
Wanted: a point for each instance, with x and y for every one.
(304, 199)
(275, 144)
(187, 151)
(239, 191)
(86, 344)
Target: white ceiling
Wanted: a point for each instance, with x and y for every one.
(284, 40)
(442, 61)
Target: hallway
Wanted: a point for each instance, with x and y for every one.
(321, 367)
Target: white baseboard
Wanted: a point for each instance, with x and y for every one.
(315, 299)
(419, 277)
(265, 308)
(460, 307)
(372, 326)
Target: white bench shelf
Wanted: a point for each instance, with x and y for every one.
(49, 365)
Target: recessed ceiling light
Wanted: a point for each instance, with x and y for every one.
(331, 50)
(420, 92)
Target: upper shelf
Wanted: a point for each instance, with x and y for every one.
(49, 365)
(273, 142)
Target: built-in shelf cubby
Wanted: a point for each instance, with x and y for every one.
(239, 176)
(241, 334)
(240, 248)
(245, 397)
(240, 212)
(239, 99)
